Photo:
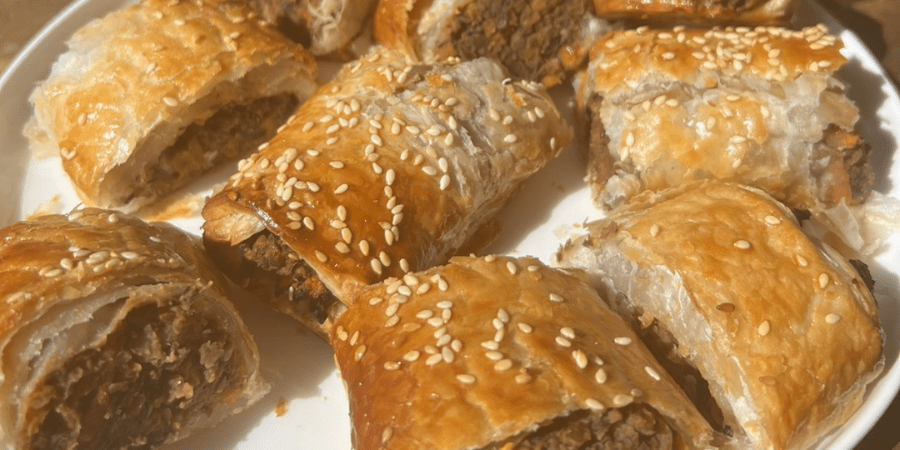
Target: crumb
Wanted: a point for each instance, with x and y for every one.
(282, 407)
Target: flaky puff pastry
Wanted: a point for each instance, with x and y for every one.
(760, 107)
(544, 41)
(722, 280)
(503, 353)
(748, 12)
(155, 94)
(115, 333)
(391, 167)
(326, 27)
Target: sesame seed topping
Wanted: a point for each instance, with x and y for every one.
(563, 341)
(556, 298)
(772, 220)
(465, 378)
(581, 359)
(170, 101)
(764, 328)
(510, 138)
(376, 266)
(802, 261)
(832, 318)
(653, 373)
(523, 378)
(567, 332)
(511, 267)
(386, 435)
(654, 230)
(823, 280)
(434, 359)
(593, 404)
(622, 340)
(360, 352)
(629, 139)
(494, 355)
(622, 400)
(524, 327)
(503, 365)
(411, 356)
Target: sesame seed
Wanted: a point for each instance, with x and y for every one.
(308, 223)
(555, 298)
(742, 244)
(497, 323)
(523, 378)
(580, 358)
(593, 404)
(465, 378)
(563, 341)
(524, 327)
(772, 220)
(493, 355)
(389, 177)
(503, 365)
(386, 435)
(510, 138)
(622, 400)
(823, 280)
(629, 139)
(411, 356)
(802, 261)
(376, 266)
(434, 359)
(764, 328)
(331, 140)
(170, 101)
(511, 267)
(567, 332)
(653, 373)
(622, 340)
(654, 230)
(447, 353)
(360, 352)
(490, 345)
(600, 376)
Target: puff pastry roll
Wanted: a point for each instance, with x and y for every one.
(503, 353)
(152, 95)
(748, 12)
(390, 168)
(537, 40)
(115, 334)
(775, 335)
(760, 107)
(324, 27)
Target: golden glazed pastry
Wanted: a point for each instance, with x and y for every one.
(773, 334)
(503, 353)
(765, 12)
(391, 167)
(152, 95)
(326, 27)
(760, 107)
(115, 334)
(537, 40)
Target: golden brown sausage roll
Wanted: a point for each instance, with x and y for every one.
(775, 335)
(537, 40)
(324, 27)
(390, 168)
(151, 96)
(760, 107)
(115, 334)
(756, 12)
(503, 353)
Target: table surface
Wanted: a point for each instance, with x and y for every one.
(874, 21)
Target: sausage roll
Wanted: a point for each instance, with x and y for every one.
(152, 95)
(773, 334)
(391, 167)
(503, 353)
(756, 12)
(538, 40)
(115, 333)
(759, 107)
(325, 27)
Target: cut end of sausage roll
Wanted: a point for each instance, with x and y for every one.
(543, 41)
(774, 335)
(706, 12)
(499, 353)
(759, 107)
(132, 121)
(115, 334)
(392, 167)
(324, 27)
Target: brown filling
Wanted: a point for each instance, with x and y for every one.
(525, 36)
(734, 5)
(156, 371)
(633, 427)
(848, 173)
(229, 134)
(272, 270)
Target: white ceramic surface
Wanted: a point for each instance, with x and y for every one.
(300, 367)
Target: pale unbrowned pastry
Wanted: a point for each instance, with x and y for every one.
(750, 12)
(503, 353)
(326, 27)
(538, 40)
(153, 95)
(773, 334)
(760, 107)
(391, 167)
(115, 333)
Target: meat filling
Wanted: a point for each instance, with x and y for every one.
(525, 36)
(844, 167)
(633, 427)
(229, 134)
(272, 269)
(157, 370)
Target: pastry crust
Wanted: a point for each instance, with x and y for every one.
(392, 167)
(748, 12)
(760, 107)
(124, 110)
(104, 314)
(545, 41)
(484, 352)
(781, 326)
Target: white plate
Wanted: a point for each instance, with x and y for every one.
(536, 221)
